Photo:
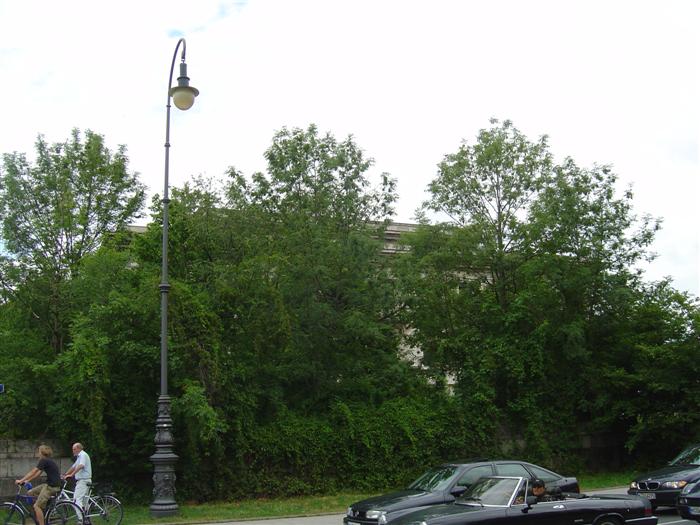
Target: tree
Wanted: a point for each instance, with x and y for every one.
(55, 211)
(313, 274)
(488, 187)
(506, 297)
(649, 362)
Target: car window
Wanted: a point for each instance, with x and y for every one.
(435, 479)
(473, 474)
(490, 491)
(544, 474)
(690, 456)
(512, 469)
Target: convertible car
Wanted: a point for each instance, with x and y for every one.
(505, 500)
(442, 484)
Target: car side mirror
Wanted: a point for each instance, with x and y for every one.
(458, 490)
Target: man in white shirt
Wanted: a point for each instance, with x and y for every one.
(82, 470)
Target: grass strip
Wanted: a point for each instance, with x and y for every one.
(246, 509)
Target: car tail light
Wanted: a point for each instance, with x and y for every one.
(647, 510)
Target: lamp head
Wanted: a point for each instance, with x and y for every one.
(183, 94)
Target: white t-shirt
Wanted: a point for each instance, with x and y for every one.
(86, 471)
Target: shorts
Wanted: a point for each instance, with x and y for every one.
(43, 493)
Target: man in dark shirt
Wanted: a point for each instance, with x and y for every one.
(45, 490)
(539, 491)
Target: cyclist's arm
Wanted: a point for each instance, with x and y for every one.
(78, 465)
(73, 470)
(29, 476)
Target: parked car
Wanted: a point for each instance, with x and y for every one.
(663, 486)
(504, 500)
(442, 484)
(689, 502)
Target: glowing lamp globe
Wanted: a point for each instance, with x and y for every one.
(183, 96)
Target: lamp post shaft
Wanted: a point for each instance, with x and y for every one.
(164, 459)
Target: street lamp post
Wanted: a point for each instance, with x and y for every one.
(164, 459)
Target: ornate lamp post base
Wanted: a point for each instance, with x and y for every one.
(164, 460)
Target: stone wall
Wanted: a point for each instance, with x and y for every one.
(17, 457)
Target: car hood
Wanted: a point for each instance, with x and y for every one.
(672, 472)
(402, 499)
(438, 512)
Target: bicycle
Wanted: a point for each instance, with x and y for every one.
(56, 512)
(101, 509)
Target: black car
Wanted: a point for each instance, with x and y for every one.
(663, 486)
(504, 500)
(443, 484)
(689, 502)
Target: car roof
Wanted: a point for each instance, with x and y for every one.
(463, 462)
(468, 461)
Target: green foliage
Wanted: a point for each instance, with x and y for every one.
(53, 213)
(304, 361)
(512, 296)
(355, 445)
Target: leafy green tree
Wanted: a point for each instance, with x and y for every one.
(280, 308)
(488, 188)
(647, 386)
(324, 267)
(55, 211)
(506, 297)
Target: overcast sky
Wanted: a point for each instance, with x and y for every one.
(610, 82)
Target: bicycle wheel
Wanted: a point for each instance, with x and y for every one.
(65, 513)
(11, 514)
(104, 510)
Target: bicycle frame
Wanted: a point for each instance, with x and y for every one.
(24, 503)
(57, 511)
(96, 503)
(69, 495)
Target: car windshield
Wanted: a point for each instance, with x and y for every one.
(690, 456)
(490, 491)
(438, 478)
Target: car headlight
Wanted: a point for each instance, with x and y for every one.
(634, 485)
(675, 484)
(348, 512)
(375, 514)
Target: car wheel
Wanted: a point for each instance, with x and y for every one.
(608, 521)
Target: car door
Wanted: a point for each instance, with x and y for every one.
(543, 513)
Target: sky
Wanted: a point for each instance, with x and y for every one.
(610, 82)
